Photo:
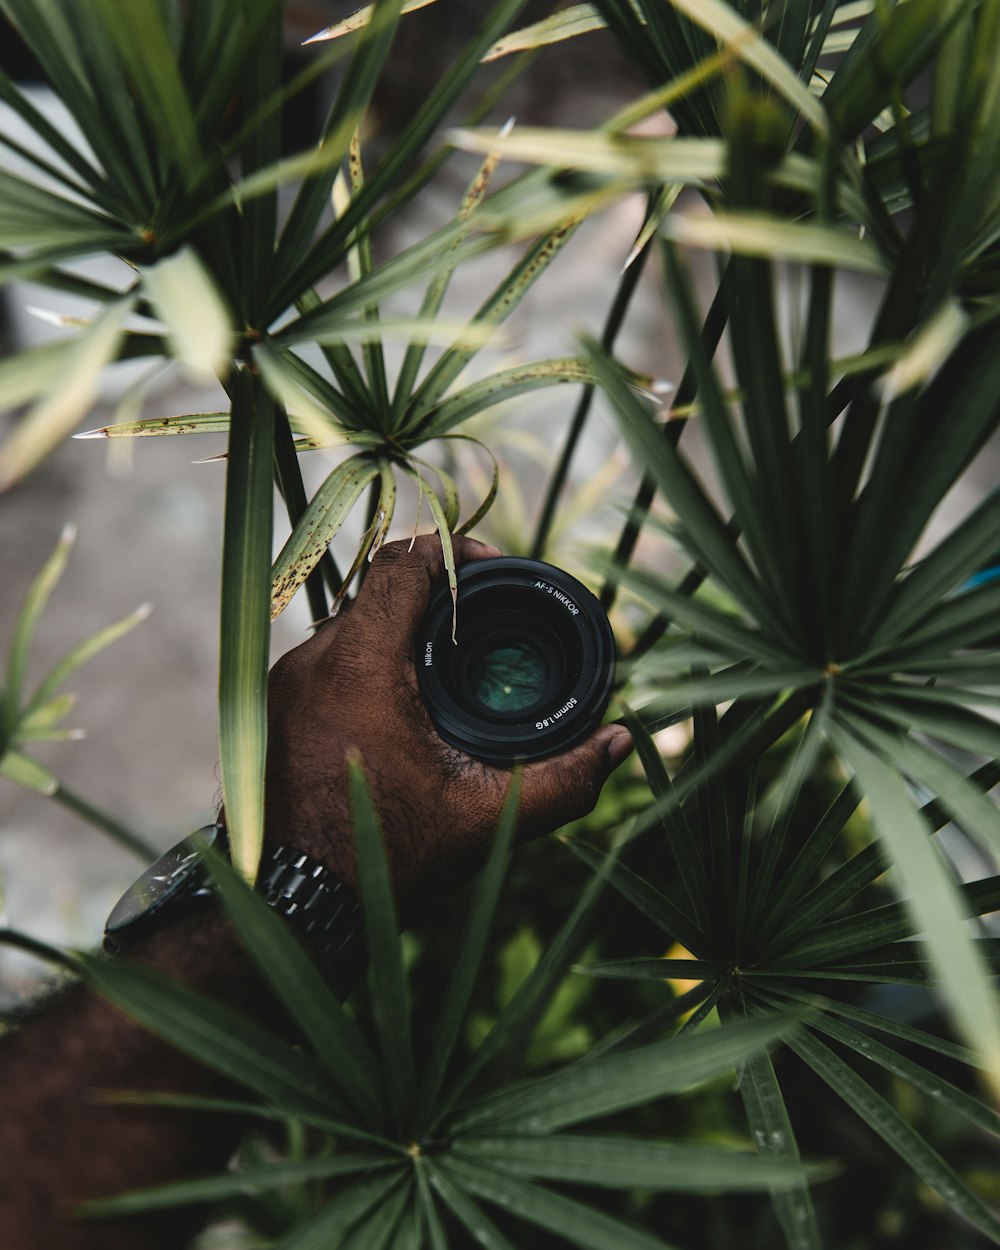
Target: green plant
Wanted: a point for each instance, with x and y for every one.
(37, 718)
(792, 851)
(186, 195)
(426, 1145)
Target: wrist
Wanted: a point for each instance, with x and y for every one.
(177, 896)
(204, 953)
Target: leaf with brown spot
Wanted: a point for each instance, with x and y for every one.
(319, 524)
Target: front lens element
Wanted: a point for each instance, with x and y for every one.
(509, 677)
(529, 669)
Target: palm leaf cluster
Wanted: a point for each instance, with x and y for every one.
(833, 471)
(844, 621)
(28, 720)
(779, 918)
(414, 1148)
(890, 655)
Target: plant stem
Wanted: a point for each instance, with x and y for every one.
(107, 824)
(371, 514)
(289, 480)
(715, 323)
(482, 109)
(41, 950)
(660, 623)
(616, 315)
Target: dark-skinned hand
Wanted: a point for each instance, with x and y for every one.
(351, 690)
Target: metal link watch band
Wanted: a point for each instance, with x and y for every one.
(319, 906)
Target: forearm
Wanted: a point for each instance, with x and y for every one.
(69, 1146)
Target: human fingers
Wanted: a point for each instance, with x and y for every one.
(400, 582)
(565, 787)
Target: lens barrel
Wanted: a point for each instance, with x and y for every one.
(532, 670)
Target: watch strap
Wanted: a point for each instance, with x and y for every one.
(320, 907)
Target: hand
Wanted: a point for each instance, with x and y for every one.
(352, 689)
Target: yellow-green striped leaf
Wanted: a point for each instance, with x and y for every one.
(578, 19)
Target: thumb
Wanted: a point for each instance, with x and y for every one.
(565, 787)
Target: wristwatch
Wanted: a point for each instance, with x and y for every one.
(314, 902)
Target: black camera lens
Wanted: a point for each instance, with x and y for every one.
(530, 671)
(509, 675)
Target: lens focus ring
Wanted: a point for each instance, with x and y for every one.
(532, 670)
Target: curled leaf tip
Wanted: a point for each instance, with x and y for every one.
(323, 619)
(376, 546)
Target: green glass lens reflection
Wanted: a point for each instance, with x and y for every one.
(508, 678)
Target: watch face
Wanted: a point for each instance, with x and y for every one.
(162, 881)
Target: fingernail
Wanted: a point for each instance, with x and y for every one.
(620, 747)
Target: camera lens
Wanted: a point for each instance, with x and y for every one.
(508, 676)
(530, 670)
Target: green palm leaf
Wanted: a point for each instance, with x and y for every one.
(767, 1115)
(894, 1130)
(245, 624)
(624, 1162)
(455, 1195)
(216, 1036)
(934, 899)
(67, 396)
(582, 1225)
(472, 949)
(341, 1214)
(317, 527)
(617, 1081)
(389, 992)
(249, 1181)
(298, 983)
(527, 1005)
